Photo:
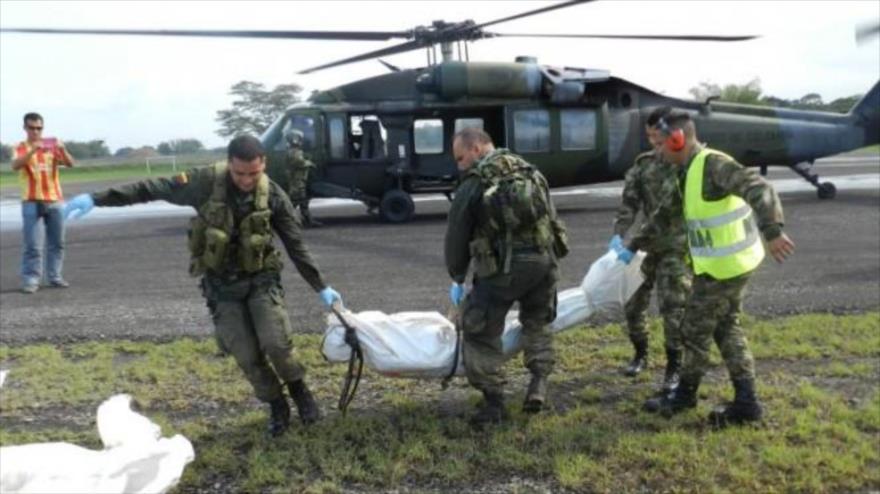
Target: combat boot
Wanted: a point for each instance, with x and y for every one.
(683, 397)
(279, 417)
(308, 410)
(639, 361)
(745, 406)
(673, 362)
(492, 411)
(535, 394)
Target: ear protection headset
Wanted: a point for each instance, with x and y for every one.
(674, 137)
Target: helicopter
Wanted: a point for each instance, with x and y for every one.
(383, 139)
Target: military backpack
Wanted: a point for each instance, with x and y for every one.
(517, 210)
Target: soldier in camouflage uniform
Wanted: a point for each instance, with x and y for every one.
(509, 266)
(725, 249)
(231, 247)
(299, 168)
(666, 262)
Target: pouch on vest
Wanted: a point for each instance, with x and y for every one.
(484, 257)
(196, 235)
(216, 242)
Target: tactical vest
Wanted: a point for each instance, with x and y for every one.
(214, 229)
(515, 214)
(723, 238)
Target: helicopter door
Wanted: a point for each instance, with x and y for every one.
(356, 156)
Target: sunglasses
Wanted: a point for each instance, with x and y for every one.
(31, 127)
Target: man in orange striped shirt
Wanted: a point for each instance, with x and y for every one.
(37, 160)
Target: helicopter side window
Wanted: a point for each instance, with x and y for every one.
(428, 136)
(531, 131)
(337, 138)
(578, 128)
(302, 123)
(465, 123)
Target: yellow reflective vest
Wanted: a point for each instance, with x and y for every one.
(723, 237)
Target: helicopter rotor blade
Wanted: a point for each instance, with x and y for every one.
(318, 35)
(865, 32)
(560, 5)
(391, 50)
(696, 37)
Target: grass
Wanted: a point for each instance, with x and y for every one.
(121, 169)
(817, 376)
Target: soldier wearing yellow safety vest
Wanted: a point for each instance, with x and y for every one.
(727, 208)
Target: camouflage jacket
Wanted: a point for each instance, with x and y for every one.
(193, 188)
(644, 186)
(466, 215)
(721, 177)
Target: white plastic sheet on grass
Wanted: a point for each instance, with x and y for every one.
(135, 458)
(423, 344)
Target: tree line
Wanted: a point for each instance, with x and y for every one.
(98, 149)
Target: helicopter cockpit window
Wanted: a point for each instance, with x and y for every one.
(302, 123)
(465, 123)
(578, 128)
(337, 138)
(428, 136)
(531, 131)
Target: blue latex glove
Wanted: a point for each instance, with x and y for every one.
(79, 206)
(329, 295)
(456, 293)
(625, 255)
(616, 243)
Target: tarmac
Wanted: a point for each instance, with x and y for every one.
(128, 266)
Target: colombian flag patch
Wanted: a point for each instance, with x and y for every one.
(181, 179)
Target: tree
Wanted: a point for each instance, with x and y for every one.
(90, 149)
(123, 152)
(180, 146)
(748, 93)
(5, 152)
(255, 107)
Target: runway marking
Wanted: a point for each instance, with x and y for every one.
(10, 210)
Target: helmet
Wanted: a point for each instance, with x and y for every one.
(294, 138)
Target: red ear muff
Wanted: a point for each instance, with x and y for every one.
(675, 140)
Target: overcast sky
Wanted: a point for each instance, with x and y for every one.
(132, 91)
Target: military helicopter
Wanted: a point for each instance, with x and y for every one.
(382, 139)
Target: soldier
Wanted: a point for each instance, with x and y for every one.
(299, 169)
(719, 200)
(665, 265)
(231, 246)
(514, 240)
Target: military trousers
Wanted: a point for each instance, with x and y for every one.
(669, 273)
(531, 282)
(713, 313)
(251, 324)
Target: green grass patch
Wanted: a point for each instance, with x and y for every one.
(817, 378)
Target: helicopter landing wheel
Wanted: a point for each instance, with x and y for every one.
(396, 206)
(826, 190)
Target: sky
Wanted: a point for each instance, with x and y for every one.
(134, 91)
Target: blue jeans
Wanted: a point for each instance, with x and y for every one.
(31, 261)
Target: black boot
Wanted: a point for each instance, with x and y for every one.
(491, 411)
(745, 406)
(308, 410)
(279, 417)
(673, 362)
(536, 394)
(682, 398)
(639, 361)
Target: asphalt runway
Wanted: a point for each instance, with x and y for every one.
(129, 274)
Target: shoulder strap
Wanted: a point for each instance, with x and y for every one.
(218, 192)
